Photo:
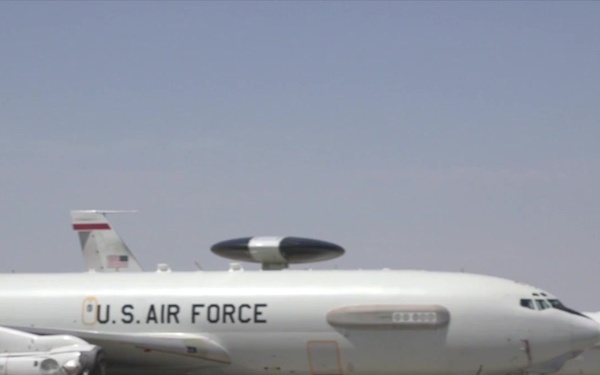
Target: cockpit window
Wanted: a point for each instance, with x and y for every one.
(528, 303)
(558, 305)
(542, 304)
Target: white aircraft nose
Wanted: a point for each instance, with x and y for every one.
(585, 333)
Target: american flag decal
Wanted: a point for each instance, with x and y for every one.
(117, 261)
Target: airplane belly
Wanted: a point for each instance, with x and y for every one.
(401, 352)
(489, 346)
(338, 353)
(587, 363)
(304, 353)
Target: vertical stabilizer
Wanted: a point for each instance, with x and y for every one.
(103, 249)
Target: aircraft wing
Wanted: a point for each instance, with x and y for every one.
(103, 249)
(192, 346)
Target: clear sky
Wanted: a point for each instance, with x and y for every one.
(428, 135)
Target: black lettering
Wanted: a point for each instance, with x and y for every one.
(127, 314)
(151, 317)
(195, 311)
(172, 311)
(99, 314)
(241, 318)
(228, 311)
(212, 313)
(258, 312)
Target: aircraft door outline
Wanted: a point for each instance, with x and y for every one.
(324, 357)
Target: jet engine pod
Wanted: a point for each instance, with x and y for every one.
(277, 252)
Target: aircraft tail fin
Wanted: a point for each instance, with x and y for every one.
(103, 249)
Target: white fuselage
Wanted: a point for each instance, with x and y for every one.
(277, 322)
(588, 362)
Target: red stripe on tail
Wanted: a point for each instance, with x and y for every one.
(91, 226)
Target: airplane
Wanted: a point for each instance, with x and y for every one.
(587, 363)
(102, 248)
(98, 250)
(296, 322)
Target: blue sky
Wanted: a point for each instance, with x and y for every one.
(429, 135)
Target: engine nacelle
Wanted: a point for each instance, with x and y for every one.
(63, 361)
(28, 354)
(277, 252)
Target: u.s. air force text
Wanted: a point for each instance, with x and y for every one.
(172, 313)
